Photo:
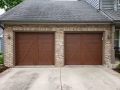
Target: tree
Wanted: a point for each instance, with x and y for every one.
(8, 4)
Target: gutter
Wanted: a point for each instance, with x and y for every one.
(55, 22)
(117, 21)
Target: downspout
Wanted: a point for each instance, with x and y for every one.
(1, 25)
(115, 5)
(100, 4)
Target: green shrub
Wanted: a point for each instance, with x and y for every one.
(1, 59)
(1, 53)
(118, 66)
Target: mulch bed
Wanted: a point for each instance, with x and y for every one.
(3, 68)
(117, 70)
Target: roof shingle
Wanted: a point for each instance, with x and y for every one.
(115, 15)
(54, 11)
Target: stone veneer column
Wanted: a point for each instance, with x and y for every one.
(112, 48)
(8, 47)
(59, 48)
(107, 48)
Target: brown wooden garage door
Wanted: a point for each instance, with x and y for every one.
(83, 48)
(34, 48)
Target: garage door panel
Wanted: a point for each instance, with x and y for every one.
(34, 48)
(72, 45)
(25, 48)
(86, 49)
(46, 46)
(91, 48)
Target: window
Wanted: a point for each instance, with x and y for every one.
(116, 40)
(118, 2)
(117, 44)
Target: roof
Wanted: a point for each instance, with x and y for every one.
(48, 11)
(115, 15)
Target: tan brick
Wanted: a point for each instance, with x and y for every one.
(9, 44)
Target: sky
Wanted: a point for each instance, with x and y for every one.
(2, 11)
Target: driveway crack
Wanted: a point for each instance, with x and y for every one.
(61, 78)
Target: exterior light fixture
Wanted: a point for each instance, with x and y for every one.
(9, 37)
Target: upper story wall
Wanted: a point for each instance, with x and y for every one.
(110, 4)
(104, 4)
(107, 4)
(94, 3)
(118, 7)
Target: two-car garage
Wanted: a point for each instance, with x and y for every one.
(57, 33)
(35, 48)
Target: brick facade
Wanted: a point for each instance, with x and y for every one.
(9, 36)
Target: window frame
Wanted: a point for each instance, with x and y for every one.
(116, 38)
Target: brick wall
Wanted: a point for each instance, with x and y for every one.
(9, 44)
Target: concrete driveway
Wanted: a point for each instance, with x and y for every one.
(66, 78)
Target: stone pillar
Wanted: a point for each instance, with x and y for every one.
(107, 48)
(113, 51)
(8, 47)
(59, 48)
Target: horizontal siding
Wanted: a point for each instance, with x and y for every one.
(105, 4)
(108, 4)
(94, 3)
